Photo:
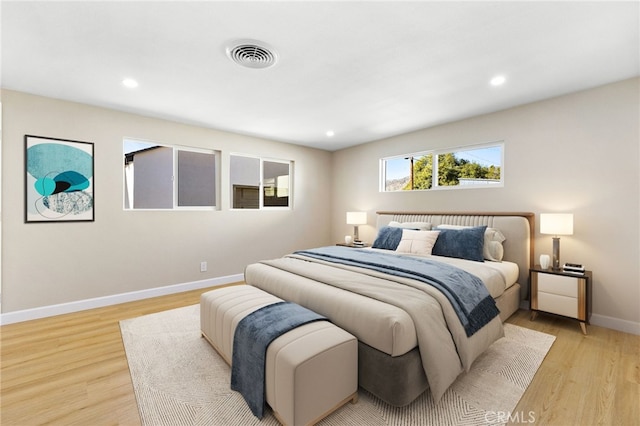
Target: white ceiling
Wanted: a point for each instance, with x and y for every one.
(366, 70)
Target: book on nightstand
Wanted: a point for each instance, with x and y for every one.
(573, 268)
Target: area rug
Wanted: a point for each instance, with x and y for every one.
(179, 379)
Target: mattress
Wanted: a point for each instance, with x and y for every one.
(496, 276)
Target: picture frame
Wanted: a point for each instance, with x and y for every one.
(59, 180)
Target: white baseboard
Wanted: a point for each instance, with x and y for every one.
(99, 302)
(616, 324)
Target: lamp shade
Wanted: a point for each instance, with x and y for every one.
(556, 223)
(356, 218)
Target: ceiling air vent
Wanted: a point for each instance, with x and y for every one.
(252, 54)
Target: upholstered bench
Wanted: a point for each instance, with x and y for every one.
(310, 371)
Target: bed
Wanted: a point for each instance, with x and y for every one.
(409, 339)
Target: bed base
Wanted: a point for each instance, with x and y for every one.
(509, 302)
(396, 380)
(400, 380)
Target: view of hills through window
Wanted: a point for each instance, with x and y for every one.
(464, 167)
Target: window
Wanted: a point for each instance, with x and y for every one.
(245, 182)
(257, 183)
(275, 178)
(478, 166)
(169, 177)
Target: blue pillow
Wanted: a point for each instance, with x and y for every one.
(466, 243)
(388, 238)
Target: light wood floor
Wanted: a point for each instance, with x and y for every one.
(72, 370)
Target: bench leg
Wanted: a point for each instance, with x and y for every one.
(353, 398)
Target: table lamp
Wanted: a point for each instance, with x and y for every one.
(355, 219)
(556, 224)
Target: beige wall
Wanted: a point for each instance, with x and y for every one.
(576, 153)
(127, 251)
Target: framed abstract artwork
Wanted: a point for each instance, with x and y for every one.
(59, 180)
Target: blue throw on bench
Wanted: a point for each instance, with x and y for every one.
(253, 335)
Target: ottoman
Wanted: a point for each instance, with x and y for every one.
(310, 371)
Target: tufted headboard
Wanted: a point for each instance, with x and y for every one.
(518, 229)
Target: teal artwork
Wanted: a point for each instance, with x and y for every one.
(59, 180)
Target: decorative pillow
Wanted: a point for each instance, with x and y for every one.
(493, 250)
(417, 242)
(388, 238)
(420, 226)
(464, 243)
(494, 235)
(493, 239)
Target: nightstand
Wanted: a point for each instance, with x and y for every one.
(561, 293)
(353, 245)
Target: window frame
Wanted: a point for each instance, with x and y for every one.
(435, 186)
(261, 183)
(174, 171)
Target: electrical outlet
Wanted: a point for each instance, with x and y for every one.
(203, 266)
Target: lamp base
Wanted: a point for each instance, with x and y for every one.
(556, 254)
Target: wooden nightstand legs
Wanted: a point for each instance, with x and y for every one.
(583, 325)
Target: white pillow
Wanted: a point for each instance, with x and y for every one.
(421, 226)
(417, 242)
(493, 250)
(494, 235)
(493, 238)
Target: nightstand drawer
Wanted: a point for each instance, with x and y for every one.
(558, 284)
(557, 304)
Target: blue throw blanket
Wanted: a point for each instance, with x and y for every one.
(467, 293)
(253, 335)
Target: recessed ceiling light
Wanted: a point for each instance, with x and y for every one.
(498, 80)
(330, 133)
(130, 83)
